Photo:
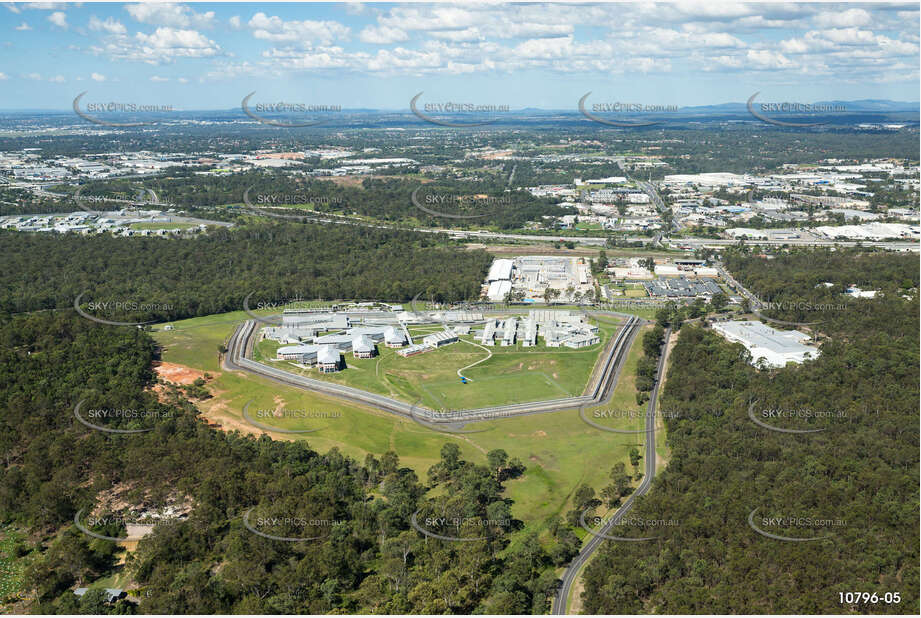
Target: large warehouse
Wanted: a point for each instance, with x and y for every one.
(776, 347)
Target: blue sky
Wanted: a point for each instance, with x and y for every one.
(210, 55)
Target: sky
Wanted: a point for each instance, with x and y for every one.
(199, 56)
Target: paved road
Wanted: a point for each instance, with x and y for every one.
(569, 576)
(241, 343)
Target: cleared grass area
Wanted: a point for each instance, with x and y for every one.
(559, 450)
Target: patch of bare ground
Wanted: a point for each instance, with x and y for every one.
(178, 374)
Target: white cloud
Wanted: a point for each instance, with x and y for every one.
(183, 80)
(57, 79)
(157, 78)
(3, 76)
(467, 34)
(46, 6)
(23, 27)
(98, 77)
(382, 35)
(303, 33)
(59, 19)
(172, 15)
(175, 42)
(767, 59)
(110, 25)
(162, 46)
(843, 19)
(34, 76)
(235, 22)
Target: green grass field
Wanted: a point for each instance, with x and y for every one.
(559, 449)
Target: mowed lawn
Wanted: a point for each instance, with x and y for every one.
(559, 450)
(499, 375)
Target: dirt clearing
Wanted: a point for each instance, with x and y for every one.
(178, 374)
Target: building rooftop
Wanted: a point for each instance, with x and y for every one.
(328, 354)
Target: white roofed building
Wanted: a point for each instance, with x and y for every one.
(394, 337)
(329, 359)
(363, 347)
(775, 347)
(501, 270)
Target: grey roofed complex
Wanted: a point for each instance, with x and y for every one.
(343, 342)
(681, 287)
(463, 316)
(376, 333)
(329, 321)
(436, 340)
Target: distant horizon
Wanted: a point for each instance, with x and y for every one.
(573, 109)
(377, 55)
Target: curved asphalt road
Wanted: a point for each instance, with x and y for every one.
(569, 576)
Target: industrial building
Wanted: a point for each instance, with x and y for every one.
(499, 280)
(529, 276)
(501, 270)
(774, 347)
(498, 291)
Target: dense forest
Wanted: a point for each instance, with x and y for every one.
(172, 278)
(366, 556)
(855, 483)
(384, 199)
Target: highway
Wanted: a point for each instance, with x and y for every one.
(599, 241)
(239, 351)
(572, 571)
